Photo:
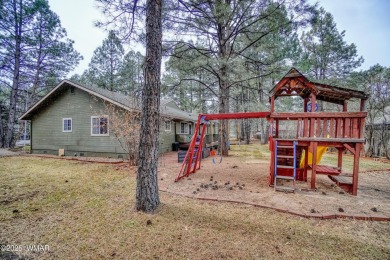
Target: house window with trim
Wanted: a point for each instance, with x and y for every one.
(184, 128)
(190, 129)
(67, 125)
(99, 126)
(167, 125)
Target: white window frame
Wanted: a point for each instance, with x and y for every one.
(63, 125)
(108, 125)
(185, 128)
(166, 122)
(190, 125)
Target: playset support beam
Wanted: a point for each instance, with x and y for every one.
(342, 130)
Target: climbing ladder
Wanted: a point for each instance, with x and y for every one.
(193, 158)
(290, 179)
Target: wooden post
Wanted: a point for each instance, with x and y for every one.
(340, 158)
(314, 166)
(272, 162)
(306, 163)
(276, 128)
(305, 101)
(272, 104)
(313, 100)
(198, 159)
(356, 158)
(345, 121)
(362, 104)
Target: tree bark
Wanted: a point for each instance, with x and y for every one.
(1, 126)
(224, 91)
(224, 108)
(147, 196)
(9, 139)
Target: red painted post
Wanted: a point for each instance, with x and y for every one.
(306, 163)
(191, 148)
(314, 166)
(272, 161)
(200, 148)
(340, 158)
(305, 101)
(355, 176)
(345, 106)
(313, 101)
(362, 104)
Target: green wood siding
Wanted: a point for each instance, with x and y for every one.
(47, 125)
(166, 138)
(48, 137)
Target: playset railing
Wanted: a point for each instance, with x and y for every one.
(338, 125)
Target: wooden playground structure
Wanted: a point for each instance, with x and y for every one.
(294, 155)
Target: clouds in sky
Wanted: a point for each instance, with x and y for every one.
(366, 22)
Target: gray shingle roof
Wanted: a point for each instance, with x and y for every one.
(116, 98)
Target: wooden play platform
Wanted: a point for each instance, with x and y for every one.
(308, 131)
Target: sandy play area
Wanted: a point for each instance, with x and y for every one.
(244, 179)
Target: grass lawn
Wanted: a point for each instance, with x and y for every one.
(86, 211)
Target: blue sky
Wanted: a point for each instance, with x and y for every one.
(366, 22)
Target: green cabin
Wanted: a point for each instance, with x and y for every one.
(72, 118)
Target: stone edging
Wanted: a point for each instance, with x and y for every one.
(371, 217)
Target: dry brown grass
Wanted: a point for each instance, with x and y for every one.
(86, 211)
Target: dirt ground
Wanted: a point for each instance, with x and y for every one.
(241, 180)
(245, 180)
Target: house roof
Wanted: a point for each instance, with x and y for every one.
(116, 98)
(295, 83)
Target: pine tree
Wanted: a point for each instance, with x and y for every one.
(325, 54)
(131, 73)
(147, 196)
(34, 51)
(125, 16)
(52, 55)
(106, 63)
(227, 32)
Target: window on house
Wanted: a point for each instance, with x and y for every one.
(99, 125)
(190, 129)
(67, 125)
(167, 125)
(183, 128)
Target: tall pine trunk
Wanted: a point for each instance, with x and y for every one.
(147, 197)
(2, 127)
(9, 138)
(224, 108)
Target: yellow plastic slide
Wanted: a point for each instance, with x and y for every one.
(320, 152)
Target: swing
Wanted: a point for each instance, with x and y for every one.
(220, 153)
(220, 159)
